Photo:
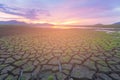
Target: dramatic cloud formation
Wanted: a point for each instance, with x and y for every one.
(63, 11)
(27, 13)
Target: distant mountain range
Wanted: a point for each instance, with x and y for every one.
(118, 23)
(14, 22)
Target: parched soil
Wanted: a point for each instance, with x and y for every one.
(58, 54)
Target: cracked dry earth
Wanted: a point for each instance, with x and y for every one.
(60, 55)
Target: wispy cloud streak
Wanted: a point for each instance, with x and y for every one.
(27, 13)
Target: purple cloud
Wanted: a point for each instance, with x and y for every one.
(27, 13)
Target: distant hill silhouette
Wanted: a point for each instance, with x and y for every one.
(118, 23)
(11, 22)
(99, 24)
(42, 24)
(14, 22)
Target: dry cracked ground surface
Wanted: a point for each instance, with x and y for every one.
(59, 55)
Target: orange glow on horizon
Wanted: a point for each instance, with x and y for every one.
(61, 27)
(66, 22)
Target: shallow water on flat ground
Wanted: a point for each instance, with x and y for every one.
(60, 54)
(108, 30)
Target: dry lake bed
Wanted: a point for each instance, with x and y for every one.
(59, 54)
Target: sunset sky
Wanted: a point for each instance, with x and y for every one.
(61, 11)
